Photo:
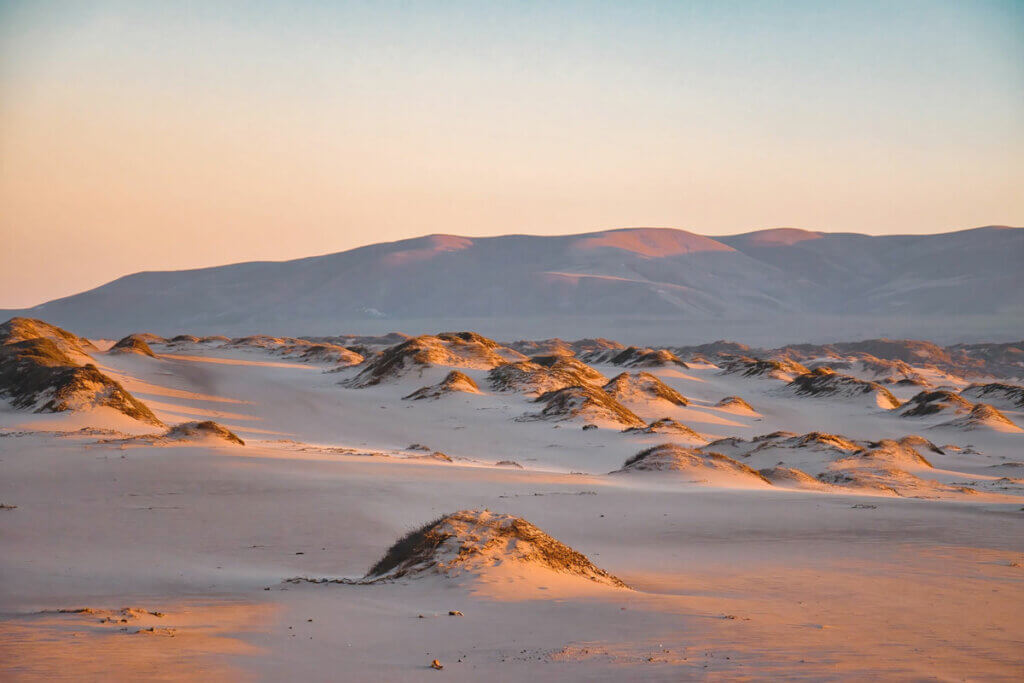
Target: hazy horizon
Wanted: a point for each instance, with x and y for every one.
(139, 136)
(474, 237)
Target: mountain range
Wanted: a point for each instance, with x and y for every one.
(768, 280)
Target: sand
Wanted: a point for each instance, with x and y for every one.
(725, 582)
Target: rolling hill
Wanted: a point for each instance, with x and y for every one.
(771, 280)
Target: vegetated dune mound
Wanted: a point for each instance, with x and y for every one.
(585, 403)
(190, 339)
(202, 431)
(133, 343)
(543, 347)
(635, 357)
(1007, 396)
(642, 387)
(825, 383)
(376, 342)
(150, 338)
(735, 404)
(737, 445)
(667, 425)
(47, 375)
(883, 468)
(934, 403)
(913, 382)
(981, 417)
(1002, 360)
(818, 442)
(820, 461)
(454, 382)
(885, 370)
(300, 349)
(472, 542)
(206, 432)
(339, 356)
(25, 329)
(449, 349)
(531, 377)
(903, 452)
(703, 466)
(570, 367)
(590, 345)
(766, 367)
(918, 443)
(792, 478)
(863, 366)
(885, 480)
(719, 349)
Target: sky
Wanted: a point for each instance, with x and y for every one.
(153, 135)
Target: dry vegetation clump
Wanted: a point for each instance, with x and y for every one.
(512, 464)
(302, 349)
(1006, 395)
(822, 439)
(665, 425)
(635, 357)
(585, 402)
(642, 386)
(916, 442)
(185, 339)
(671, 457)
(982, 416)
(38, 374)
(569, 367)
(454, 382)
(544, 347)
(25, 329)
(133, 343)
(194, 431)
(816, 441)
(735, 403)
(475, 540)
(933, 402)
(533, 378)
(784, 369)
(902, 452)
(824, 382)
(590, 345)
(452, 349)
(790, 477)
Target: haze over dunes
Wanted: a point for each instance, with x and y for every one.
(673, 281)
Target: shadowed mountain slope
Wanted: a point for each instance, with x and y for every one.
(662, 273)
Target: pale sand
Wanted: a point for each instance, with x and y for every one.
(727, 583)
